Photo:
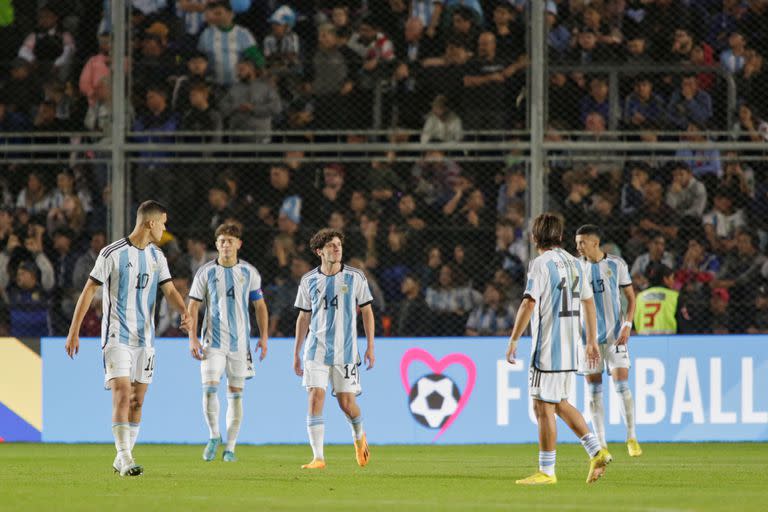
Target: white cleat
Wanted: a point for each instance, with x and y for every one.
(131, 469)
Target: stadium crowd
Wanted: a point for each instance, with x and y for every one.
(440, 238)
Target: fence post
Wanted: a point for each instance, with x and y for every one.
(118, 175)
(538, 72)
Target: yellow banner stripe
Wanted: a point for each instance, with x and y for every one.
(21, 381)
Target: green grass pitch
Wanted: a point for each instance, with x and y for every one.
(668, 477)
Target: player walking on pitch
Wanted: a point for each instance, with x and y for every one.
(557, 291)
(129, 271)
(609, 275)
(227, 285)
(328, 299)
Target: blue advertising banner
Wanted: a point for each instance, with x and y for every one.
(440, 390)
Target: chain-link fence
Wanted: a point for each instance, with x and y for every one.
(408, 125)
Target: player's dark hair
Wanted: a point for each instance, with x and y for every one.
(229, 229)
(324, 236)
(656, 273)
(590, 229)
(547, 231)
(151, 207)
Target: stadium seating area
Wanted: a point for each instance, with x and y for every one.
(442, 237)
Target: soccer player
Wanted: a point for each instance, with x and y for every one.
(610, 276)
(557, 292)
(328, 299)
(226, 284)
(129, 272)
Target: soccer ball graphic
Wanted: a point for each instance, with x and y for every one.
(433, 399)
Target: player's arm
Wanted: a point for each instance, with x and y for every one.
(370, 328)
(83, 303)
(302, 327)
(262, 320)
(590, 320)
(174, 299)
(195, 347)
(524, 313)
(626, 327)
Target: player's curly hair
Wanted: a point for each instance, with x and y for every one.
(229, 229)
(324, 236)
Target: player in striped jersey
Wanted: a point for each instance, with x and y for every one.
(129, 271)
(557, 292)
(226, 285)
(610, 275)
(328, 299)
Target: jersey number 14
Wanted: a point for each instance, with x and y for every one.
(565, 310)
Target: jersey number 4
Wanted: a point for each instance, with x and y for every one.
(565, 310)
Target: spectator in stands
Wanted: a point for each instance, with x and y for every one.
(217, 211)
(576, 204)
(442, 124)
(657, 253)
(723, 23)
(333, 193)
(463, 26)
(512, 190)
(743, 267)
(98, 118)
(588, 49)
(34, 198)
(70, 215)
(201, 116)
(738, 177)
(434, 177)
(724, 222)
(689, 103)
(157, 63)
(733, 58)
(409, 215)
(66, 186)
(280, 186)
(65, 296)
(412, 310)
(28, 304)
(222, 39)
(697, 268)
(636, 51)
(749, 127)
(383, 182)
(703, 162)
(429, 13)
(510, 32)
(87, 260)
(566, 94)
(153, 179)
(450, 300)
(558, 37)
(511, 252)
(330, 80)
(289, 217)
(22, 91)
(445, 74)
(192, 15)
(11, 121)
(282, 49)
(46, 121)
(655, 215)
(197, 71)
(282, 314)
(643, 107)
(596, 100)
(49, 47)
(603, 210)
(686, 194)
(494, 317)
(759, 323)
(96, 69)
(197, 253)
(718, 320)
(749, 83)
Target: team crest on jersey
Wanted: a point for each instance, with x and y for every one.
(344, 288)
(608, 273)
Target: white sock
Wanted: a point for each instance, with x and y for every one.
(357, 427)
(547, 462)
(627, 407)
(234, 418)
(597, 411)
(591, 444)
(316, 431)
(211, 410)
(134, 433)
(122, 435)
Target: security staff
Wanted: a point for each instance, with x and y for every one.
(657, 307)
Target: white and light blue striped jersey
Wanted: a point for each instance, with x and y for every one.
(227, 292)
(193, 21)
(333, 302)
(224, 48)
(558, 283)
(129, 277)
(609, 275)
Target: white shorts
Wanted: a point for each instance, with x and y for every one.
(552, 387)
(238, 365)
(137, 363)
(612, 356)
(345, 378)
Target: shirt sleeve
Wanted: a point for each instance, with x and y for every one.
(100, 272)
(585, 283)
(162, 268)
(362, 291)
(199, 287)
(624, 278)
(302, 296)
(254, 289)
(533, 286)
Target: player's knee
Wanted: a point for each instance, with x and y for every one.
(347, 403)
(540, 408)
(137, 402)
(210, 389)
(621, 386)
(595, 388)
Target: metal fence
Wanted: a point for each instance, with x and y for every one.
(430, 142)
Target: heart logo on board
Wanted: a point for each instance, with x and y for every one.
(435, 400)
